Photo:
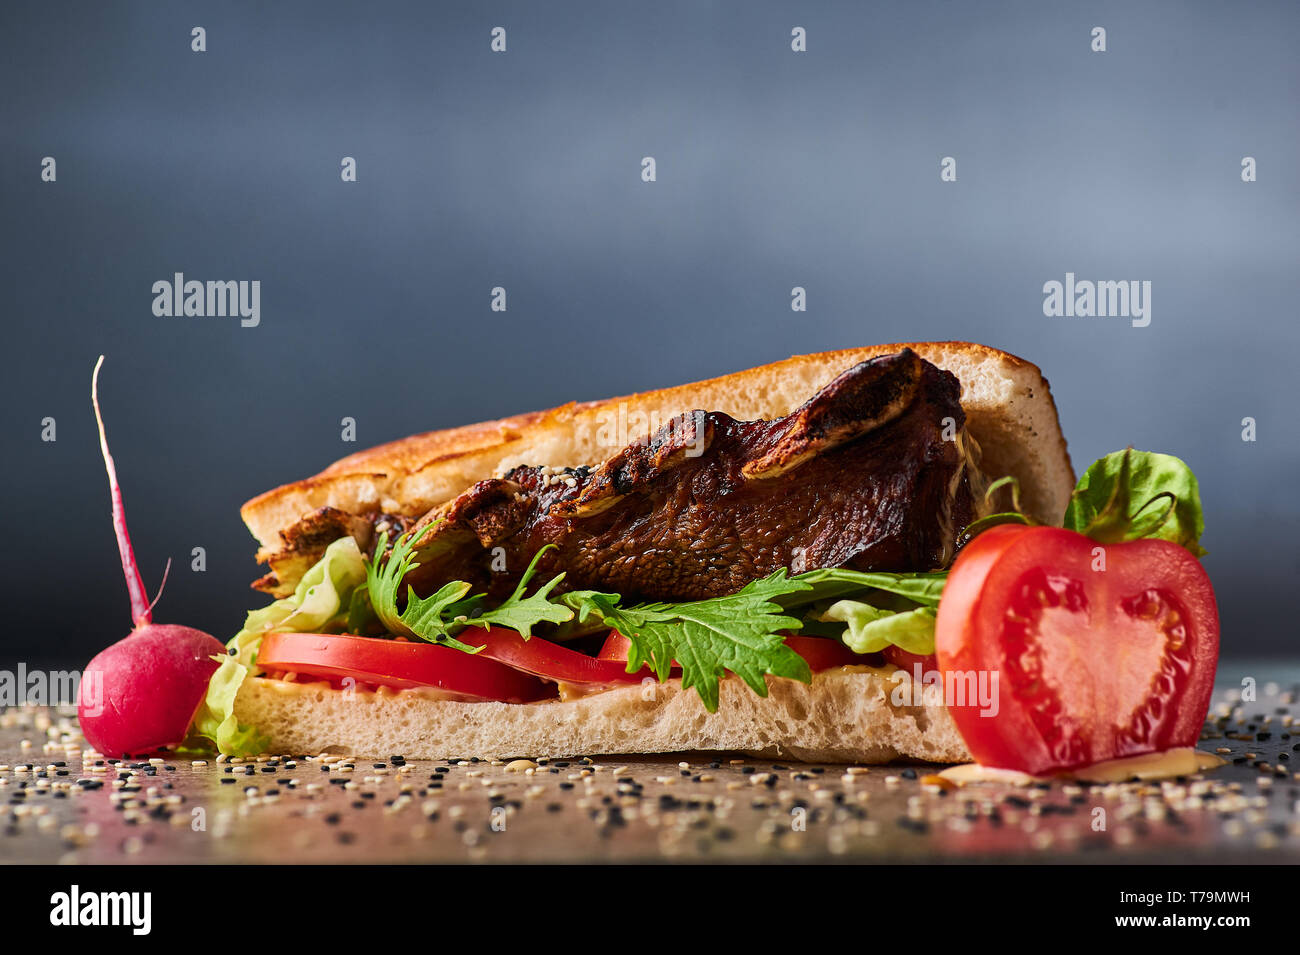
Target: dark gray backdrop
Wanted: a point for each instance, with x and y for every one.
(522, 169)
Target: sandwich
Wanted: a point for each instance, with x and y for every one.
(857, 556)
(752, 563)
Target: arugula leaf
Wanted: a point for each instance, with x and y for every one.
(439, 617)
(361, 616)
(426, 617)
(384, 575)
(523, 613)
(923, 588)
(742, 633)
(1130, 495)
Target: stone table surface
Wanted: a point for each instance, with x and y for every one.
(60, 807)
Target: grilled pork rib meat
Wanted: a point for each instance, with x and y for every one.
(871, 473)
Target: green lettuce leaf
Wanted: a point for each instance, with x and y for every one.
(1131, 495)
(321, 602)
(215, 720)
(921, 588)
(871, 629)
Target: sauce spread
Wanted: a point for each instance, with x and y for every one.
(1184, 761)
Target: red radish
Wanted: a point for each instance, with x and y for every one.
(141, 693)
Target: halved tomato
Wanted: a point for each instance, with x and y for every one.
(820, 653)
(1087, 652)
(399, 664)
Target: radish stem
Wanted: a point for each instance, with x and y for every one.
(141, 610)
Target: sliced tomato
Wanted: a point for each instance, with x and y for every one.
(820, 653)
(908, 661)
(548, 660)
(616, 647)
(1090, 652)
(399, 664)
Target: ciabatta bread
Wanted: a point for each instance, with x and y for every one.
(855, 714)
(849, 715)
(1009, 408)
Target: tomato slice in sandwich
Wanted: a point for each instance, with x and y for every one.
(399, 664)
(550, 661)
(909, 661)
(1086, 652)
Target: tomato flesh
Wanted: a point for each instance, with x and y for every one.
(551, 661)
(399, 664)
(1086, 652)
(507, 669)
(908, 661)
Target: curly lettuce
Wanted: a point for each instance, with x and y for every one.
(326, 599)
(322, 602)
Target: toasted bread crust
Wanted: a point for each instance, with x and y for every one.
(1009, 406)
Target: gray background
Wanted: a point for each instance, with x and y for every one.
(477, 169)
